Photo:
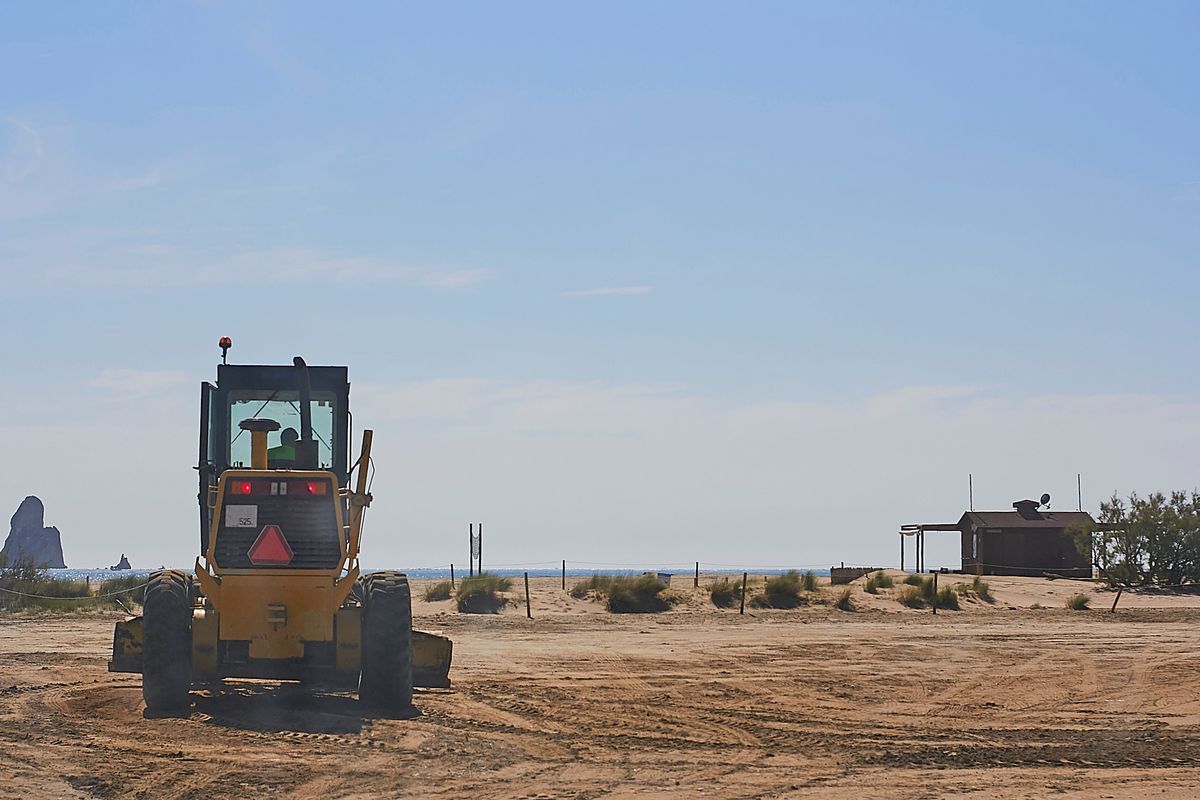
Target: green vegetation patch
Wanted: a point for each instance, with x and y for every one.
(594, 586)
(627, 594)
(782, 591)
(27, 587)
(911, 597)
(480, 594)
(129, 589)
(945, 598)
(725, 593)
(641, 594)
(878, 580)
(1079, 602)
(438, 591)
(808, 581)
(977, 588)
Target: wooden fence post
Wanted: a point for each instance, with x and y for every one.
(935, 593)
(1113, 610)
(528, 611)
(696, 580)
(451, 576)
(742, 610)
(564, 584)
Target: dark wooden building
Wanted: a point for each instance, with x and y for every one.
(1024, 541)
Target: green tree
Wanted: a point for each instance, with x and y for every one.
(1152, 539)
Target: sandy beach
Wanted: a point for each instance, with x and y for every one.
(996, 700)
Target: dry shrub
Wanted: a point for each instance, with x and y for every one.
(640, 594)
(946, 598)
(627, 594)
(911, 597)
(438, 591)
(725, 593)
(597, 584)
(981, 589)
(20, 579)
(878, 580)
(845, 600)
(808, 581)
(129, 589)
(480, 594)
(913, 580)
(976, 588)
(1079, 602)
(781, 591)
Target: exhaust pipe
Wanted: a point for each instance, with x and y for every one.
(306, 446)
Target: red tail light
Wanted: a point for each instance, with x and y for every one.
(241, 487)
(316, 487)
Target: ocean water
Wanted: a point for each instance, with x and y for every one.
(100, 575)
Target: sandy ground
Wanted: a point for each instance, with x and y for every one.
(997, 700)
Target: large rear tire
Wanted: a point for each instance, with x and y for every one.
(386, 677)
(167, 643)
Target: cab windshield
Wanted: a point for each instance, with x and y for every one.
(283, 406)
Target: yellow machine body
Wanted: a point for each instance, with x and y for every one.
(294, 618)
(277, 611)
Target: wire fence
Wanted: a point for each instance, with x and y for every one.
(89, 597)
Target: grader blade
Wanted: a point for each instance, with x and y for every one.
(431, 660)
(127, 646)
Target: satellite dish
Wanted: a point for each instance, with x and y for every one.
(1046, 499)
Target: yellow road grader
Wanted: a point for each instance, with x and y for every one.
(276, 592)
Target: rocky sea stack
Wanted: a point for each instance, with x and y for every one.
(29, 541)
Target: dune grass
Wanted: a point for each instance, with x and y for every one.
(1079, 602)
(481, 594)
(845, 600)
(919, 593)
(438, 591)
(629, 594)
(725, 593)
(637, 594)
(981, 589)
(976, 588)
(596, 584)
(946, 599)
(911, 597)
(129, 589)
(781, 591)
(27, 587)
(808, 581)
(878, 580)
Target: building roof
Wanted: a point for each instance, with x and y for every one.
(1045, 520)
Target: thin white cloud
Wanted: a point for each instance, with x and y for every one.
(127, 382)
(455, 278)
(22, 153)
(609, 291)
(591, 470)
(156, 265)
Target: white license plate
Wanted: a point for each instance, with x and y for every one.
(241, 516)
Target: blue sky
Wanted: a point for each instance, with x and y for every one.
(657, 271)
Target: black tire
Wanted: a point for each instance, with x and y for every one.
(386, 677)
(167, 643)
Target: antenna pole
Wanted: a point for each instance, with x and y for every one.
(1079, 488)
(971, 491)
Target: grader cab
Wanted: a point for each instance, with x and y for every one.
(276, 591)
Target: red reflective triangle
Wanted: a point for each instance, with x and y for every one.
(270, 548)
